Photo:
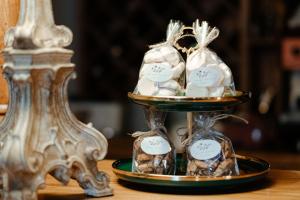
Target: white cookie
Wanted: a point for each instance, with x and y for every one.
(216, 92)
(171, 84)
(165, 92)
(153, 56)
(146, 87)
(170, 55)
(194, 61)
(193, 90)
(177, 70)
(227, 74)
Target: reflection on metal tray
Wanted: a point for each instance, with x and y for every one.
(251, 170)
(183, 103)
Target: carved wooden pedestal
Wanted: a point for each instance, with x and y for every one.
(39, 134)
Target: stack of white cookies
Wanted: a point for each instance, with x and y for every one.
(163, 70)
(160, 72)
(207, 75)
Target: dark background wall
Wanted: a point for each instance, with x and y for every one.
(111, 37)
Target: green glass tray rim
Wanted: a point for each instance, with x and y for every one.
(260, 168)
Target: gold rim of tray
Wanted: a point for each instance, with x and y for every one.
(194, 178)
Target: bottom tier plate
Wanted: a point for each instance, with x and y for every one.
(251, 170)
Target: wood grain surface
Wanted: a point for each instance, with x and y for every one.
(9, 10)
(279, 185)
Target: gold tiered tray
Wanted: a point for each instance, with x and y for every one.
(189, 104)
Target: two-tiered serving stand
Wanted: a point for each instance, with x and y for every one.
(251, 169)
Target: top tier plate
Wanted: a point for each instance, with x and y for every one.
(188, 104)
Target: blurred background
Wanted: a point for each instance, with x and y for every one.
(259, 40)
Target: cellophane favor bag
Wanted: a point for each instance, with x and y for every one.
(209, 152)
(153, 152)
(162, 70)
(206, 74)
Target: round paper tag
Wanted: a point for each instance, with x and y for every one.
(155, 145)
(206, 77)
(205, 149)
(158, 72)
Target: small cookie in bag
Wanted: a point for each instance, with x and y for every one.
(209, 152)
(206, 74)
(218, 161)
(153, 153)
(162, 69)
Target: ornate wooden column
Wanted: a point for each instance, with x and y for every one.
(39, 134)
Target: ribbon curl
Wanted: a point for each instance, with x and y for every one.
(149, 133)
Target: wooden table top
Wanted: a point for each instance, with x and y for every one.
(280, 184)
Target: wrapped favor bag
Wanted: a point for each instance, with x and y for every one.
(206, 74)
(209, 152)
(153, 152)
(161, 73)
